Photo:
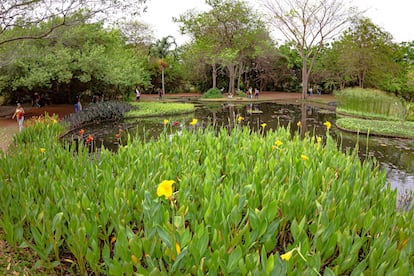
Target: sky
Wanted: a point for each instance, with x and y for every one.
(393, 16)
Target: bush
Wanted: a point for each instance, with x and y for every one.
(213, 93)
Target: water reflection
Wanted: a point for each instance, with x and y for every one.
(396, 156)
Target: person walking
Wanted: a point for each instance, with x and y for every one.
(19, 114)
(78, 105)
(256, 93)
(137, 94)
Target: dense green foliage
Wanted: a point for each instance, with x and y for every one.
(84, 60)
(242, 203)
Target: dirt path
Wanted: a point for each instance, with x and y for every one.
(8, 126)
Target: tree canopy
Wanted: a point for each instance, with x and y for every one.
(308, 25)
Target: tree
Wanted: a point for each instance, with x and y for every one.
(70, 61)
(309, 24)
(163, 48)
(225, 35)
(28, 15)
(364, 56)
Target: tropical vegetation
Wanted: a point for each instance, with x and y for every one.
(267, 204)
(86, 58)
(201, 200)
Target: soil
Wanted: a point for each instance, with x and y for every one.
(8, 126)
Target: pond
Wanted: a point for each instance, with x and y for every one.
(395, 156)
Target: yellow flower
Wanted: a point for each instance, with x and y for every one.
(55, 121)
(240, 119)
(42, 150)
(278, 143)
(177, 248)
(165, 189)
(318, 140)
(299, 124)
(327, 124)
(194, 122)
(304, 157)
(287, 255)
(166, 121)
(263, 125)
(134, 259)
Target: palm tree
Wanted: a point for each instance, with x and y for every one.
(161, 49)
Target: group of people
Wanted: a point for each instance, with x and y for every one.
(249, 93)
(310, 91)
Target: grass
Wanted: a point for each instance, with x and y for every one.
(371, 103)
(149, 109)
(377, 127)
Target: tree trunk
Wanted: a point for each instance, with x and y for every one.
(231, 69)
(239, 75)
(214, 75)
(304, 77)
(162, 82)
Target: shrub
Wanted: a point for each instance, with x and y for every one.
(213, 93)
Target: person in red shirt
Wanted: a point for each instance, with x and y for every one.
(19, 114)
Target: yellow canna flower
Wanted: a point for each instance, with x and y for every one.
(42, 150)
(318, 140)
(278, 143)
(134, 259)
(327, 124)
(299, 124)
(177, 248)
(194, 122)
(166, 121)
(304, 157)
(287, 255)
(240, 119)
(263, 125)
(165, 189)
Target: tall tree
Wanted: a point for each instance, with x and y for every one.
(226, 34)
(162, 49)
(309, 24)
(27, 15)
(70, 61)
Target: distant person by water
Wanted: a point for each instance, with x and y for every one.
(78, 105)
